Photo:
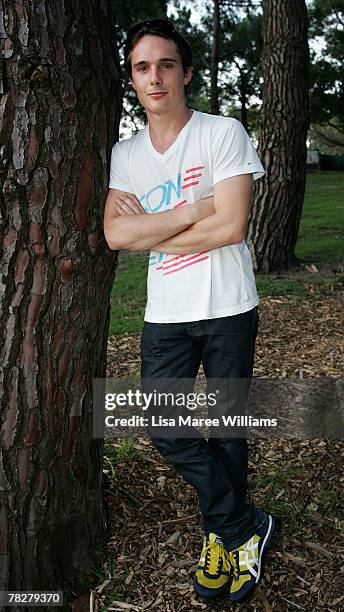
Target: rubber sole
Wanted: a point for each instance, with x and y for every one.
(207, 594)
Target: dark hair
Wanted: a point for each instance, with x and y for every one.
(157, 27)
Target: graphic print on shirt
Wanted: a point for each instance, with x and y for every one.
(160, 197)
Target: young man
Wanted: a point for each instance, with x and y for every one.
(182, 187)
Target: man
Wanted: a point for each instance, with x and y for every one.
(182, 187)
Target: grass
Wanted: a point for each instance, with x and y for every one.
(322, 224)
(328, 499)
(128, 296)
(123, 451)
(278, 480)
(78, 585)
(320, 242)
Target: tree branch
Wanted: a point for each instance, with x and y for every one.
(327, 139)
(340, 20)
(333, 125)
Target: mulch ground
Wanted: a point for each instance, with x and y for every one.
(154, 536)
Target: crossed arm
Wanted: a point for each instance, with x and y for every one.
(206, 224)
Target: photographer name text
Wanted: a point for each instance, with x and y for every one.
(189, 421)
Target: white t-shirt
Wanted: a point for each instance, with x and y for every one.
(212, 283)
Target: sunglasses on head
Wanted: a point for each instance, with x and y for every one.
(160, 25)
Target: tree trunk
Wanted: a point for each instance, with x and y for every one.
(243, 100)
(214, 67)
(59, 119)
(278, 197)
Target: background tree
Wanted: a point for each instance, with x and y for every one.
(227, 44)
(59, 119)
(197, 91)
(241, 67)
(327, 83)
(278, 197)
(214, 66)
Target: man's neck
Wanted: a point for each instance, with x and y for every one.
(165, 128)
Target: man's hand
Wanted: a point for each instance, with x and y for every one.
(206, 205)
(127, 204)
(227, 226)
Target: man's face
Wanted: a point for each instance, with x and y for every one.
(158, 75)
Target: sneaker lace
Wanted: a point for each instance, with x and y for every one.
(214, 553)
(233, 557)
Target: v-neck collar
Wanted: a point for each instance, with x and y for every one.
(178, 140)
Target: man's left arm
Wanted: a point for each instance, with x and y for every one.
(227, 225)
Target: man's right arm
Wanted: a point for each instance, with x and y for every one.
(127, 226)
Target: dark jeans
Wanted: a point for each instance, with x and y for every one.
(216, 468)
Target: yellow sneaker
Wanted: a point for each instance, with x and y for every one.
(247, 559)
(213, 571)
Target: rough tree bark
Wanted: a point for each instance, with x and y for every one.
(214, 66)
(243, 99)
(278, 197)
(58, 121)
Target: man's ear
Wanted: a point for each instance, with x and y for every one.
(188, 75)
(132, 83)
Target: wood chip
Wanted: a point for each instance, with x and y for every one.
(173, 538)
(294, 558)
(184, 562)
(335, 602)
(319, 549)
(129, 578)
(125, 606)
(292, 603)
(265, 602)
(198, 604)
